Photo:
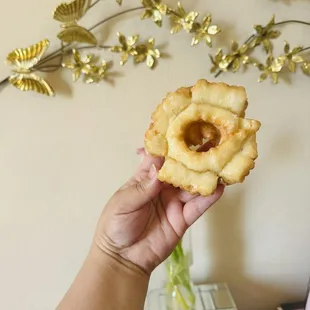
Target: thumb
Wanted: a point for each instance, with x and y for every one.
(142, 192)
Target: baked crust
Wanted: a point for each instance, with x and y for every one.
(191, 115)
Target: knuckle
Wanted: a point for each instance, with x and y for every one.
(140, 187)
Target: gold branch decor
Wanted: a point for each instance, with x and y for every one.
(74, 38)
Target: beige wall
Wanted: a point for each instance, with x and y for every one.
(61, 159)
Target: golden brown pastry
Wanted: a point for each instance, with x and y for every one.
(189, 117)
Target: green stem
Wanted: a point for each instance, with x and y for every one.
(180, 299)
(178, 277)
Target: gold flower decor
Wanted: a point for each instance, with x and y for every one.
(75, 38)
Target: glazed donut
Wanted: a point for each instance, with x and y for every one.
(192, 116)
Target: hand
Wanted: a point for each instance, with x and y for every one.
(145, 219)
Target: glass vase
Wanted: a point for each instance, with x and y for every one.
(179, 287)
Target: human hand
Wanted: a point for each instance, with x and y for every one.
(145, 219)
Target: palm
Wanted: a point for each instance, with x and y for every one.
(149, 232)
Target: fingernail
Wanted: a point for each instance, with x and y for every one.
(153, 172)
(140, 151)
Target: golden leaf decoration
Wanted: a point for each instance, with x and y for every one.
(264, 34)
(77, 34)
(126, 47)
(25, 58)
(119, 2)
(68, 13)
(147, 52)
(204, 31)
(306, 68)
(268, 70)
(31, 82)
(86, 66)
(154, 9)
(180, 19)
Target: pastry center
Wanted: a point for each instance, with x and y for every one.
(199, 134)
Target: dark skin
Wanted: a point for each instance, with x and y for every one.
(153, 219)
(139, 228)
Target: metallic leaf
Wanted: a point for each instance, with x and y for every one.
(255, 42)
(124, 58)
(119, 2)
(213, 30)
(286, 47)
(175, 29)
(236, 65)
(195, 40)
(297, 59)
(71, 12)
(208, 40)
(234, 46)
(191, 16)
(146, 14)
(206, 21)
(271, 23)
(31, 82)
(122, 39)
(267, 46)
(181, 10)
(277, 65)
(258, 29)
(77, 34)
(306, 68)
(26, 58)
(162, 8)
(132, 40)
(76, 74)
(140, 58)
(275, 78)
(297, 49)
(150, 61)
(243, 49)
(116, 49)
(292, 66)
(274, 34)
(263, 77)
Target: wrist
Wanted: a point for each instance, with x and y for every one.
(127, 283)
(108, 260)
